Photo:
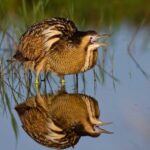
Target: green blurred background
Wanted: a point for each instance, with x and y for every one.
(84, 12)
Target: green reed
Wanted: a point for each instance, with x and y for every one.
(99, 13)
(5, 98)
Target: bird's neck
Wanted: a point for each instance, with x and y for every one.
(90, 59)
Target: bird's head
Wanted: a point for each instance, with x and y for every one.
(91, 123)
(93, 128)
(90, 40)
(63, 31)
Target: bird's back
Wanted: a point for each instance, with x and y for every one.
(41, 37)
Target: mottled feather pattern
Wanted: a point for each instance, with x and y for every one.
(52, 121)
(41, 36)
(56, 45)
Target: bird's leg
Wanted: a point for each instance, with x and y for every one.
(62, 85)
(37, 81)
(62, 80)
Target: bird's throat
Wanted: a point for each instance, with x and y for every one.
(90, 60)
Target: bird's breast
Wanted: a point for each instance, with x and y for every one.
(71, 61)
(66, 62)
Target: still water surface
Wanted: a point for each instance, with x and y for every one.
(126, 104)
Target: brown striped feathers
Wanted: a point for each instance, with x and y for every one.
(59, 120)
(57, 45)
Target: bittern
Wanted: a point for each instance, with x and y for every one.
(59, 120)
(56, 45)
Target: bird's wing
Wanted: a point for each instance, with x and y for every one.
(31, 47)
(41, 37)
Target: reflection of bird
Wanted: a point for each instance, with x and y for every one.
(56, 45)
(60, 120)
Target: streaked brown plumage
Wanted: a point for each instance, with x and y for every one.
(56, 45)
(58, 121)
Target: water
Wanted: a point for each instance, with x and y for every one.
(125, 103)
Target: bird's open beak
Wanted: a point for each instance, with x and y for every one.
(101, 123)
(103, 36)
(102, 43)
(96, 41)
(100, 130)
(96, 128)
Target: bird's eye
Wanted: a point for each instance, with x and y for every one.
(92, 39)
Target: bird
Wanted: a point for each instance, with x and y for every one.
(56, 45)
(60, 120)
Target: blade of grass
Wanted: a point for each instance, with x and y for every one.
(14, 125)
(2, 86)
(13, 121)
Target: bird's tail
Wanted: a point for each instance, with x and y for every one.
(12, 60)
(17, 57)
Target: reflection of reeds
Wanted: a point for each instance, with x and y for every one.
(5, 99)
(131, 43)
